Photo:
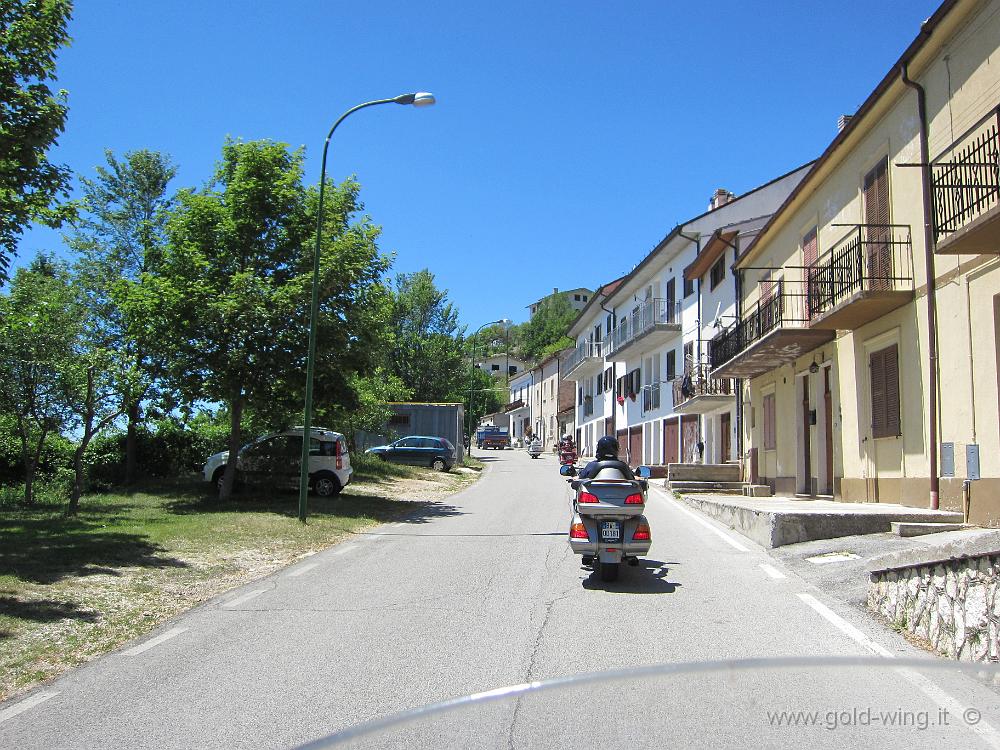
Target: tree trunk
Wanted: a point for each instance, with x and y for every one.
(74, 495)
(131, 443)
(229, 477)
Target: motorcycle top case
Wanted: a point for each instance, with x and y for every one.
(611, 495)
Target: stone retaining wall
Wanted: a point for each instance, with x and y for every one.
(953, 604)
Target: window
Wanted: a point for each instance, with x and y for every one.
(610, 321)
(809, 248)
(671, 293)
(608, 379)
(688, 287)
(512, 370)
(718, 272)
(597, 334)
(585, 298)
(399, 419)
(884, 366)
(671, 364)
(576, 297)
(688, 356)
(770, 436)
(494, 368)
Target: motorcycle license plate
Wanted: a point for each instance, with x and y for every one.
(611, 531)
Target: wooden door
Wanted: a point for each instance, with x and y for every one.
(689, 428)
(635, 446)
(670, 432)
(828, 429)
(879, 249)
(724, 439)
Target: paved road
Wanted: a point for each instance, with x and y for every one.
(481, 591)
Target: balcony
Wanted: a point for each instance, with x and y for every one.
(699, 393)
(586, 361)
(650, 325)
(773, 332)
(866, 275)
(965, 186)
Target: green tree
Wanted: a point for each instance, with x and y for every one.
(31, 119)
(119, 235)
(40, 324)
(428, 354)
(228, 302)
(545, 333)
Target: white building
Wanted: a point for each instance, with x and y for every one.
(639, 334)
(501, 365)
(578, 299)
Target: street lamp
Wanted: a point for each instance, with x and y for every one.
(417, 99)
(472, 373)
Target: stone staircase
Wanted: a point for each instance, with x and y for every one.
(705, 478)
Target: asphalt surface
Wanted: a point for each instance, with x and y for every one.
(482, 591)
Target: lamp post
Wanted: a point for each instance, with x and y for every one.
(418, 99)
(472, 374)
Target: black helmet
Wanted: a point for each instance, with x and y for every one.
(607, 448)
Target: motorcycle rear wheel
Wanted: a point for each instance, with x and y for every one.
(609, 572)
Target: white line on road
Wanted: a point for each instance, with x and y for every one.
(243, 599)
(136, 650)
(986, 731)
(342, 550)
(304, 569)
(772, 571)
(21, 707)
(719, 532)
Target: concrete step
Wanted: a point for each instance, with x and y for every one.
(703, 472)
(689, 486)
(757, 490)
(911, 528)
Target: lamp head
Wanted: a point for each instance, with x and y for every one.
(418, 99)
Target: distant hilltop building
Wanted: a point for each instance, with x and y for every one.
(578, 298)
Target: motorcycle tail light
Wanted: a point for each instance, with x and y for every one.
(641, 533)
(635, 499)
(578, 531)
(587, 497)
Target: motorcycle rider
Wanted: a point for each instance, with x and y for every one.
(607, 450)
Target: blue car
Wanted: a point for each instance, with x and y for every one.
(418, 450)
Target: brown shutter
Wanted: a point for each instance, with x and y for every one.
(876, 197)
(884, 366)
(809, 248)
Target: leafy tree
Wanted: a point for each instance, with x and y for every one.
(371, 410)
(545, 333)
(31, 119)
(40, 322)
(120, 233)
(227, 305)
(428, 352)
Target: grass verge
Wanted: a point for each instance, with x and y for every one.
(74, 588)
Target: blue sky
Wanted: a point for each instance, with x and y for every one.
(568, 138)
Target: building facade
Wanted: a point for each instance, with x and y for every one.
(868, 325)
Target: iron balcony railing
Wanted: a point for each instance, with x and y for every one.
(779, 308)
(649, 314)
(584, 350)
(869, 258)
(651, 397)
(965, 178)
(696, 382)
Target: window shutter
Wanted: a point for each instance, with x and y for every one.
(876, 363)
(809, 248)
(671, 291)
(891, 369)
(876, 198)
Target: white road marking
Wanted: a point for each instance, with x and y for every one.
(22, 706)
(983, 728)
(832, 557)
(243, 599)
(136, 650)
(342, 550)
(304, 569)
(718, 532)
(772, 571)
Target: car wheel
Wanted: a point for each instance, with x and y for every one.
(217, 478)
(326, 485)
(438, 464)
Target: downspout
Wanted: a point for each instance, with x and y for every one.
(932, 354)
(738, 385)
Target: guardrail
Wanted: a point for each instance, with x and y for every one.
(649, 314)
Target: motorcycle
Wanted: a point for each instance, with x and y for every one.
(567, 455)
(607, 525)
(535, 448)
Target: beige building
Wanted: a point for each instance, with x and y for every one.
(868, 330)
(551, 396)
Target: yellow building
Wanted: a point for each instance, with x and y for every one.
(844, 391)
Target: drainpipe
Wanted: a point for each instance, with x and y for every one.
(932, 355)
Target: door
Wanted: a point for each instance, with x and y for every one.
(635, 446)
(828, 429)
(806, 484)
(879, 249)
(670, 432)
(405, 451)
(724, 439)
(689, 428)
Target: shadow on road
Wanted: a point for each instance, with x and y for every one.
(649, 577)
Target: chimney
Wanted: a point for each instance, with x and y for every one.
(720, 198)
(555, 290)
(843, 121)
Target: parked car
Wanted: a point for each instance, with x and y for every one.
(277, 458)
(418, 450)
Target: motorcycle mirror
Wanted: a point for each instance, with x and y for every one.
(645, 472)
(567, 471)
